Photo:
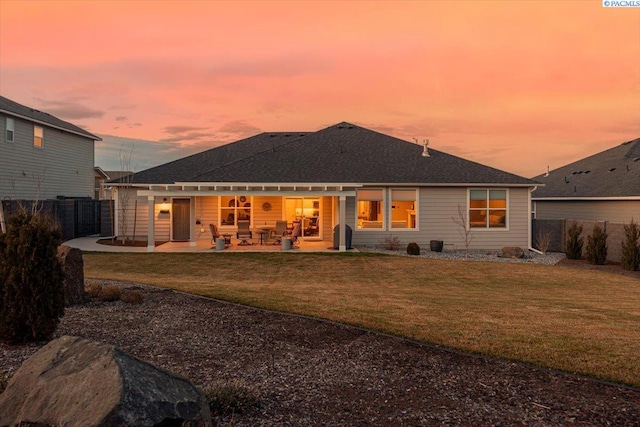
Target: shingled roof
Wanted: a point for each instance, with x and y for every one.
(342, 153)
(12, 108)
(612, 173)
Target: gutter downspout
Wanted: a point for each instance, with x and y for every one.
(531, 248)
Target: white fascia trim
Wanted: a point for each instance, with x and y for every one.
(430, 184)
(32, 120)
(551, 199)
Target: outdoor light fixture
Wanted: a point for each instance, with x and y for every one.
(164, 206)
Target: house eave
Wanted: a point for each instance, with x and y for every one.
(32, 120)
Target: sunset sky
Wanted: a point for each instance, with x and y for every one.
(516, 85)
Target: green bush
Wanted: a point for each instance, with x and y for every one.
(573, 247)
(413, 249)
(232, 398)
(31, 278)
(631, 247)
(596, 251)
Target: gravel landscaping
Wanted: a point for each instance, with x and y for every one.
(309, 372)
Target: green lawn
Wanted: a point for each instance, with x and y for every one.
(574, 320)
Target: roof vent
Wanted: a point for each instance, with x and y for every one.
(587, 171)
(636, 159)
(425, 148)
(547, 174)
(612, 169)
(566, 181)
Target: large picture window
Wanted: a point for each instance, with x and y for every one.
(488, 208)
(403, 209)
(370, 205)
(234, 208)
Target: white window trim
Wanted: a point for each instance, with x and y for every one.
(234, 227)
(384, 212)
(487, 228)
(11, 129)
(416, 209)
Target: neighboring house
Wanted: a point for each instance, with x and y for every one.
(602, 187)
(379, 185)
(102, 176)
(43, 157)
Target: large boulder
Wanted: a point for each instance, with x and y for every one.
(512, 252)
(73, 266)
(75, 382)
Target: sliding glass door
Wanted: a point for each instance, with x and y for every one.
(307, 211)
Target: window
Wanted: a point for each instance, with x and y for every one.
(234, 208)
(10, 129)
(488, 208)
(370, 204)
(37, 136)
(403, 209)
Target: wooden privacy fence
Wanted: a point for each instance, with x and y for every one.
(557, 228)
(76, 217)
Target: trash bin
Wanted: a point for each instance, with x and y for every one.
(220, 244)
(286, 244)
(347, 237)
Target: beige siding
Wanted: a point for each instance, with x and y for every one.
(620, 211)
(63, 167)
(437, 206)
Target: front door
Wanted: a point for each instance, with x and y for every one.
(180, 223)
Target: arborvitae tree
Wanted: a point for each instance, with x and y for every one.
(31, 278)
(596, 251)
(573, 247)
(631, 247)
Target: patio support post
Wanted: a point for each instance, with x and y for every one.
(342, 209)
(192, 215)
(151, 214)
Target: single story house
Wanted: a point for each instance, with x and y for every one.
(378, 185)
(601, 187)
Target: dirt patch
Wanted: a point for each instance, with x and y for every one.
(130, 243)
(314, 373)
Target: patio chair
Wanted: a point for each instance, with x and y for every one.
(279, 232)
(244, 233)
(293, 236)
(215, 234)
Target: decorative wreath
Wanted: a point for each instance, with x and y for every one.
(247, 207)
(266, 206)
(243, 199)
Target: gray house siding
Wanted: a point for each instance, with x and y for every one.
(437, 208)
(620, 211)
(62, 167)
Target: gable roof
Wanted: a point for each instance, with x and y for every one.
(611, 173)
(342, 153)
(12, 108)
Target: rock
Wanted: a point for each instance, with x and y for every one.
(76, 382)
(73, 266)
(512, 252)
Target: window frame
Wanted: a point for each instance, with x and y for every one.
(238, 206)
(10, 126)
(415, 209)
(487, 226)
(36, 136)
(383, 210)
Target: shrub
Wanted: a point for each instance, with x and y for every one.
(110, 293)
(573, 247)
(596, 251)
(131, 297)
(232, 398)
(31, 278)
(391, 243)
(413, 249)
(631, 247)
(4, 380)
(543, 240)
